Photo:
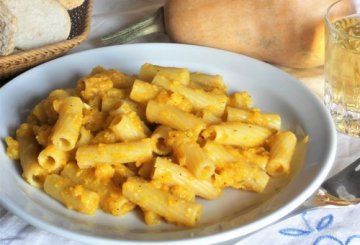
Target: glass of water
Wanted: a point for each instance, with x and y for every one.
(342, 66)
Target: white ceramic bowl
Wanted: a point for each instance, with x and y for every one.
(272, 90)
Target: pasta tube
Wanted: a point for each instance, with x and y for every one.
(267, 120)
(29, 150)
(73, 196)
(174, 99)
(66, 130)
(170, 173)
(128, 127)
(173, 117)
(159, 138)
(199, 98)
(240, 100)
(282, 148)
(148, 72)
(191, 155)
(111, 199)
(223, 154)
(143, 91)
(207, 82)
(220, 154)
(173, 209)
(242, 175)
(117, 153)
(237, 134)
(53, 159)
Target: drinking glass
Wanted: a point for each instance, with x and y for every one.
(342, 66)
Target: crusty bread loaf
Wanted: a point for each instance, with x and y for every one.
(39, 22)
(71, 4)
(7, 30)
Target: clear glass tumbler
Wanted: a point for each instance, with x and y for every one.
(342, 66)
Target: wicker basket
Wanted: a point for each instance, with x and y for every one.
(12, 65)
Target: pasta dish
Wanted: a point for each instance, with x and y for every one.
(156, 141)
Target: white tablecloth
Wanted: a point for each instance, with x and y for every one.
(318, 226)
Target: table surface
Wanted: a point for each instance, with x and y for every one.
(110, 17)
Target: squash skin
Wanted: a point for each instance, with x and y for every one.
(288, 33)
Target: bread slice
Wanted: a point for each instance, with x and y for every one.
(7, 30)
(39, 22)
(71, 4)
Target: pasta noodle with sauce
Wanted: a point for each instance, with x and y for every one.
(158, 141)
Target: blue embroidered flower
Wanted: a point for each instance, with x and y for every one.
(332, 238)
(322, 224)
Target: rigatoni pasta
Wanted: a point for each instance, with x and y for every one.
(172, 208)
(149, 71)
(254, 116)
(72, 195)
(159, 138)
(207, 82)
(158, 141)
(237, 134)
(241, 100)
(143, 91)
(173, 117)
(282, 147)
(166, 171)
(191, 155)
(117, 153)
(200, 99)
(66, 129)
(242, 175)
(29, 150)
(53, 159)
(129, 127)
(111, 199)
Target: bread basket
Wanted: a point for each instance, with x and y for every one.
(12, 65)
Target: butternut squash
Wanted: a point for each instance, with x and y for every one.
(284, 32)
